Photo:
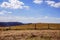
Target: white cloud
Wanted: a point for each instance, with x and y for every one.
(26, 7)
(38, 1)
(49, 2)
(53, 4)
(3, 12)
(14, 4)
(45, 19)
(57, 5)
(9, 12)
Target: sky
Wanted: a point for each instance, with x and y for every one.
(30, 11)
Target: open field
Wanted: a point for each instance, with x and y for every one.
(30, 35)
(38, 26)
(36, 31)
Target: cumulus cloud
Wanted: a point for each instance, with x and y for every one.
(38, 1)
(53, 4)
(49, 2)
(45, 19)
(14, 4)
(3, 12)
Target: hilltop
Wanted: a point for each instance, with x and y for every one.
(4, 24)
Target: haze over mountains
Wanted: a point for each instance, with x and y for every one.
(4, 24)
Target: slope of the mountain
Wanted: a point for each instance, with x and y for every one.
(10, 23)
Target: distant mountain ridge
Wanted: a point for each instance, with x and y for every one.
(4, 24)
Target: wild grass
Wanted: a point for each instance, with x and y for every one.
(30, 35)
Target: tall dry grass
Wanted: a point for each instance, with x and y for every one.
(30, 35)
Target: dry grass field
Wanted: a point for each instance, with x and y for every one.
(36, 31)
(38, 26)
(30, 35)
(54, 26)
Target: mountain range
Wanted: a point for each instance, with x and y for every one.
(4, 24)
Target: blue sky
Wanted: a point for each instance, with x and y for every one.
(30, 11)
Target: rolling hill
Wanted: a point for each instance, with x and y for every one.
(5, 24)
(28, 26)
